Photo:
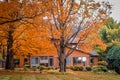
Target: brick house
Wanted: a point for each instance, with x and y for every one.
(76, 58)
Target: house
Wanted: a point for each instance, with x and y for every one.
(76, 58)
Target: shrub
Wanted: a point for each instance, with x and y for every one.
(102, 63)
(88, 68)
(77, 68)
(104, 69)
(34, 68)
(41, 68)
(100, 69)
(68, 67)
(96, 69)
(81, 68)
(26, 66)
(73, 68)
(49, 68)
(113, 58)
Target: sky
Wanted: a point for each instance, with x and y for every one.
(115, 8)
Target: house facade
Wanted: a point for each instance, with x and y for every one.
(76, 58)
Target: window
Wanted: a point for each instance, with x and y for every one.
(43, 57)
(34, 60)
(68, 61)
(75, 60)
(92, 61)
(16, 61)
(25, 60)
(79, 60)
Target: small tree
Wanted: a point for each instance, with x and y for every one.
(113, 58)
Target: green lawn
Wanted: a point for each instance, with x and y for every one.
(10, 75)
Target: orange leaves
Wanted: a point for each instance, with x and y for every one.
(102, 11)
(57, 19)
(98, 4)
(34, 41)
(94, 39)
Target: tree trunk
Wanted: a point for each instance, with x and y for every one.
(62, 64)
(9, 62)
(10, 53)
(62, 59)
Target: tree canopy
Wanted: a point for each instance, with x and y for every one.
(113, 58)
(66, 23)
(110, 33)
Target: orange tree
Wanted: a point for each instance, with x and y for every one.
(15, 18)
(71, 22)
(33, 41)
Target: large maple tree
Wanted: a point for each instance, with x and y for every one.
(15, 18)
(70, 22)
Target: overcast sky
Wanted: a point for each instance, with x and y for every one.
(115, 8)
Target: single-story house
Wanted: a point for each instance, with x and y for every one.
(76, 58)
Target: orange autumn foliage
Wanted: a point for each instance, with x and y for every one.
(26, 19)
(56, 19)
(93, 39)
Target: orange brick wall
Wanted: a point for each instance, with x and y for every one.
(95, 60)
(78, 54)
(56, 62)
(74, 54)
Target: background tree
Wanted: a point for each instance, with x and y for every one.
(110, 34)
(70, 22)
(113, 58)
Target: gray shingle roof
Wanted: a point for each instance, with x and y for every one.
(93, 53)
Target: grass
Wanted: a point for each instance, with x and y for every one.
(20, 75)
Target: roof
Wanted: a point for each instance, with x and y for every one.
(93, 53)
